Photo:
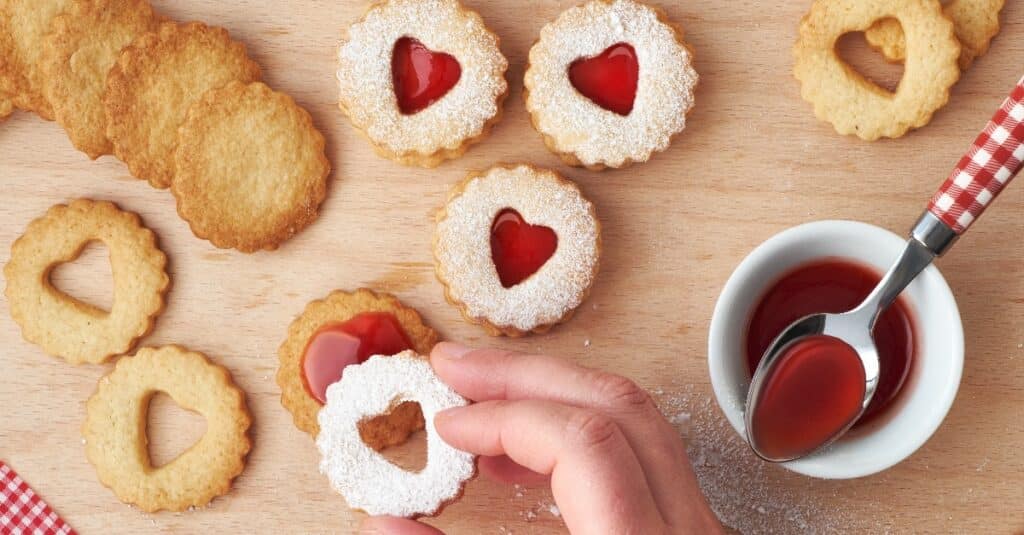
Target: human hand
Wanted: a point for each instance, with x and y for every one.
(615, 465)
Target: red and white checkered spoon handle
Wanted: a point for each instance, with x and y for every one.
(991, 163)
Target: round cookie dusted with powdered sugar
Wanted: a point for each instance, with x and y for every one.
(624, 46)
(517, 249)
(405, 39)
(368, 481)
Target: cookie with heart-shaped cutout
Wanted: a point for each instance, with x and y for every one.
(422, 80)
(857, 106)
(367, 480)
(64, 326)
(609, 83)
(114, 431)
(517, 249)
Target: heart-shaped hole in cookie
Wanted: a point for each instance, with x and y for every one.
(398, 436)
(337, 345)
(421, 76)
(855, 51)
(170, 429)
(518, 248)
(88, 278)
(609, 78)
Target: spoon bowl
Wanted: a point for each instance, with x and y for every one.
(848, 327)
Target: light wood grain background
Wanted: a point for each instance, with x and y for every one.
(752, 162)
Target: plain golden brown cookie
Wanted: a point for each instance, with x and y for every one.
(156, 80)
(64, 326)
(83, 44)
(855, 105)
(115, 429)
(250, 168)
(23, 24)
(340, 306)
(975, 22)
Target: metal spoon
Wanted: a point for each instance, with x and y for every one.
(994, 159)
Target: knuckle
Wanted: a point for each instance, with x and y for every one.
(621, 392)
(591, 429)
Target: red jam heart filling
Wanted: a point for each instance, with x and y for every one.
(608, 79)
(518, 248)
(338, 345)
(421, 76)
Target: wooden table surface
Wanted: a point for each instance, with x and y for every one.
(752, 162)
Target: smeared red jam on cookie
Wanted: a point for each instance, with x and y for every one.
(338, 345)
(420, 75)
(609, 79)
(518, 248)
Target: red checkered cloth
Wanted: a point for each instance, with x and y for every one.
(993, 160)
(22, 511)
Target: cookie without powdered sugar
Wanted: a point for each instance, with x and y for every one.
(23, 25)
(153, 84)
(336, 309)
(250, 168)
(114, 431)
(84, 42)
(64, 326)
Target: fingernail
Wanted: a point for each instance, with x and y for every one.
(451, 350)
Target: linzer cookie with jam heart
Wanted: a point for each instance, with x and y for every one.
(517, 249)
(422, 80)
(609, 83)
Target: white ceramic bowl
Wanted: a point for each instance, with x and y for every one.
(935, 373)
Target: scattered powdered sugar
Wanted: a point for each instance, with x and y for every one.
(368, 480)
(367, 92)
(744, 491)
(463, 246)
(534, 508)
(664, 89)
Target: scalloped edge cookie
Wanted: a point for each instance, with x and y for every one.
(340, 306)
(115, 429)
(64, 326)
(250, 168)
